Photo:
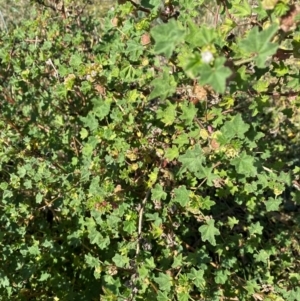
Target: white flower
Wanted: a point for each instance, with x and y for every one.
(207, 56)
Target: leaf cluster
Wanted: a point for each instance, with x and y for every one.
(151, 156)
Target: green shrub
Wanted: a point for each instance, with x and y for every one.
(152, 157)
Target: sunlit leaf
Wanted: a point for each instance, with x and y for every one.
(258, 43)
(215, 76)
(192, 159)
(209, 231)
(164, 282)
(167, 37)
(181, 196)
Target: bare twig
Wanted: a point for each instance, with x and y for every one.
(3, 21)
(46, 5)
(50, 63)
(141, 222)
(139, 7)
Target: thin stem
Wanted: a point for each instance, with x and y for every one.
(141, 221)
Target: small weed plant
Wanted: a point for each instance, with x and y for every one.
(152, 154)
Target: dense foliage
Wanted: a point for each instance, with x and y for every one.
(150, 155)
